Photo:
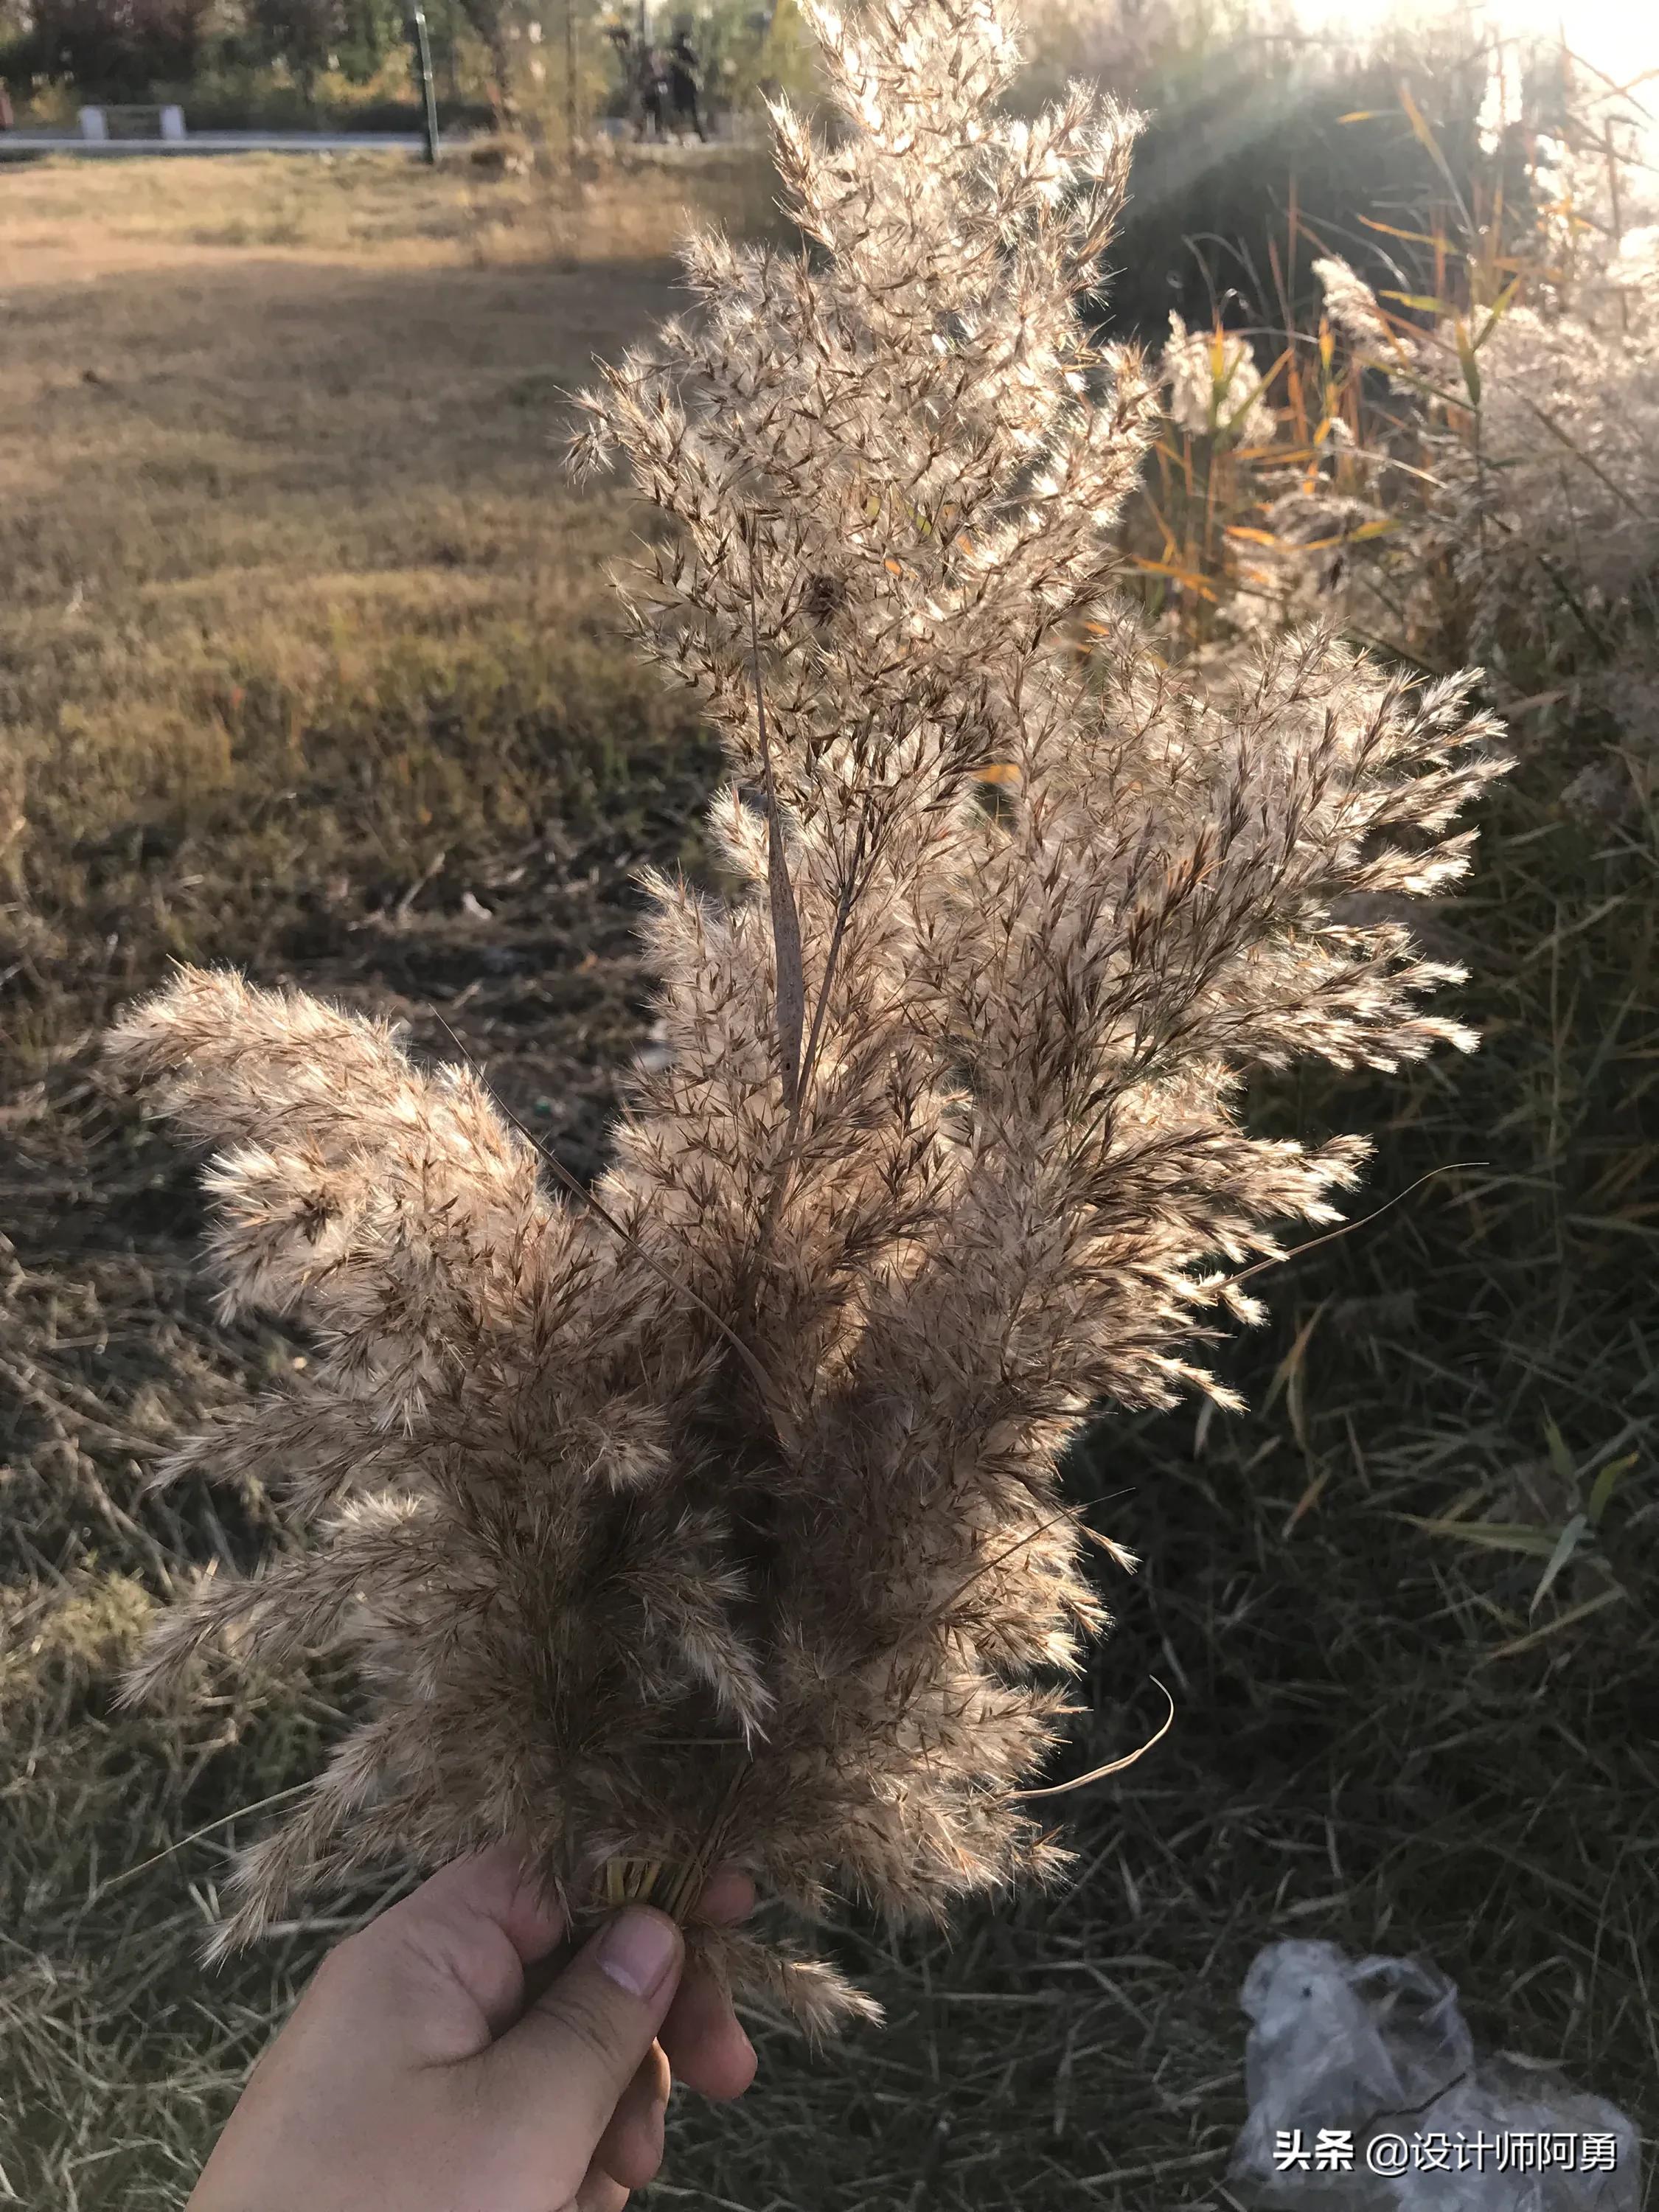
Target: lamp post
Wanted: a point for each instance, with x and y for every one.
(428, 90)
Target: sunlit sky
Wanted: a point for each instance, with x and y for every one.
(1620, 37)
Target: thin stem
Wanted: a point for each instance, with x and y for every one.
(844, 905)
(785, 919)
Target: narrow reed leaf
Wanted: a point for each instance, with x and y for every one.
(1607, 1483)
(1572, 1618)
(1566, 1544)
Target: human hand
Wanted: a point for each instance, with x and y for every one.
(430, 2068)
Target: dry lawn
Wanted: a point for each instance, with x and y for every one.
(306, 661)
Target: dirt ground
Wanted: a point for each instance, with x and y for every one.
(251, 486)
(306, 661)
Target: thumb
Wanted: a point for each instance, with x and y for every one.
(553, 2080)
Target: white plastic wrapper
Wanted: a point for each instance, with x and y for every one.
(1367, 2095)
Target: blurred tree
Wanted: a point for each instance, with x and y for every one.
(547, 64)
(497, 26)
(110, 50)
(368, 32)
(302, 35)
(1269, 144)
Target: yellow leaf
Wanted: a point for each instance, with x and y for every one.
(1416, 237)
(1418, 122)
(1488, 1535)
(1425, 302)
(1310, 1498)
(1500, 306)
(1606, 1483)
(1287, 1376)
(1379, 529)
(1180, 575)
(1567, 1619)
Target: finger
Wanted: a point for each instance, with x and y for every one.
(631, 2148)
(706, 2046)
(445, 1966)
(551, 2084)
(600, 2192)
(498, 1884)
(727, 1897)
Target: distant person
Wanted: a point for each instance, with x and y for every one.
(621, 45)
(684, 74)
(7, 118)
(651, 88)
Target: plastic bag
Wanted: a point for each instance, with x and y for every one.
(1367, 2095)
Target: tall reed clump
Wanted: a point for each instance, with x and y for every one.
(1485, 471)
(1541, 493)
(715, 1513)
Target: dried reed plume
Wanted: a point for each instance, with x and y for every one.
(717, 1515)
(1214, 387)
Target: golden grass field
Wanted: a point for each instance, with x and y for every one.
(307, 662)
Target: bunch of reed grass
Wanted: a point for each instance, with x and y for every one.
(713, 1513)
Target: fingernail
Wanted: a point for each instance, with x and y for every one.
(637, 1950)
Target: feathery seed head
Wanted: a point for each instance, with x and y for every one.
(716, 1514)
